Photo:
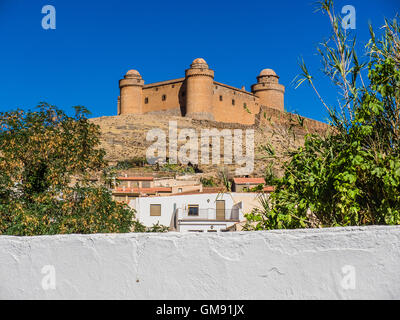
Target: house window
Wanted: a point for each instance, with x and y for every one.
(179, 189)
(173, 86)
(146, 100)
(220, 98)
(164, 97)
(193, 210)
(233, 102)
(134, 184)
(155, 210)
(145, 184)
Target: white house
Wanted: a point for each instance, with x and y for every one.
(199, 212)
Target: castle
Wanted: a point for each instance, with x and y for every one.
(198, 96)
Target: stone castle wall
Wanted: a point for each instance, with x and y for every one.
(198, 96)
(251, 116)
(229, 104)
(269, 115)
(233, 105)
(166, 95)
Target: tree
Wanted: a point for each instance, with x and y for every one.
(46, 161)
(350, 176)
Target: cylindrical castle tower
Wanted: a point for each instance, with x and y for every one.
(199, 90)
(268, 89)
(131, 93)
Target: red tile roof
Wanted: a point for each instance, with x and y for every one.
(213, 189)
(188, 193)
(269, 189)
(136, 178)
(142, 190)
(249, 180)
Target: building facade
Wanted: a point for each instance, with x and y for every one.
(196, 212)
(131, 187)
(198, 96)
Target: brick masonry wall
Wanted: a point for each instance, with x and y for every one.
(173, 97)
(232, 107)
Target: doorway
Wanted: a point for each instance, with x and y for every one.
(220, 208)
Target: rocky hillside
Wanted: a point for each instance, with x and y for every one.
(124, 138)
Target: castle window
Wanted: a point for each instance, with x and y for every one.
(146, 100)
(233, 102)
(220, 98)
(164, 97)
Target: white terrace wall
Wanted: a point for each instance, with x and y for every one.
(336, 263)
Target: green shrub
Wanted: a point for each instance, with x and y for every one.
(350, 176)
(46, 160)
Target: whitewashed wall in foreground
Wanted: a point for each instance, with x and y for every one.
(336, 263)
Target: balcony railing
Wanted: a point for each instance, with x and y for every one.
(209, 214)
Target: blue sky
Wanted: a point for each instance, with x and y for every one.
(96, 42)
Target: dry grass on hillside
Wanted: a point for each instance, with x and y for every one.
(124, 138)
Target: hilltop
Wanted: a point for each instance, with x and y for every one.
(124, 138)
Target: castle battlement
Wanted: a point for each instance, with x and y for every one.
(198, 96)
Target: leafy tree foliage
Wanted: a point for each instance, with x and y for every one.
(351, 176)
(46, 161)
(208, 182)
